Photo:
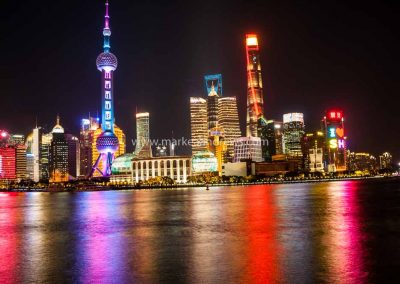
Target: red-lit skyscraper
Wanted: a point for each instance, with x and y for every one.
(333, 127)
(7, 163)
(255, 101)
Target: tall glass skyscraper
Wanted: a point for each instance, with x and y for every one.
(143, 147)
(293, 132)
(255, 101)
(228, 121)
(198, 124)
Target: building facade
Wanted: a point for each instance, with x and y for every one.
(271, 134)
(86, 138)
(8, 163)
(228, 121)
(198, 125)
(127, 168)
(143, 146)
(314, 147)
(333, 127)
(248, 148)
(293, 132)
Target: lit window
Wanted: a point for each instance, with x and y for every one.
(107, 85)
(108, 105)
(108, 95)
(107, 75)
(108, 115)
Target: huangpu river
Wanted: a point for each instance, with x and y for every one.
(334, 232)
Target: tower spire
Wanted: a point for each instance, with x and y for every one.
(106, 30)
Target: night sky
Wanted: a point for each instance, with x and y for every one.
(314, 55)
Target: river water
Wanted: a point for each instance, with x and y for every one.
(337, 232)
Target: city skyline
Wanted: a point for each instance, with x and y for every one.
(151, 96)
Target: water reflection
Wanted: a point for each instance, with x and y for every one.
(260, 224)
(100, 247)
(344, 239)
(305, 233)
(9, 237)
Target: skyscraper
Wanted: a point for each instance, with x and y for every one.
(255, 101)
(333, 127)
(293, 131)
(74, 161)
(107, 143)
(143, 147)
(58, 154)
(212, 108)
(314, 147)
(36, 150)
(228, 121)
(198, 124)
(7, 163)
(270, 132)
(86, 140)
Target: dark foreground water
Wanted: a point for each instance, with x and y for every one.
(338, 232)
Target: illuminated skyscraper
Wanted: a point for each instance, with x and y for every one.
(198, 124)
(107, 142)
(255, 101)
(333, 127)
(143, 147)
(86, 139)
(36, 147)
(21, 161)
(314, 147)
(270, 132)
(7, 163)
(58, 154)
(74, 162)
(228, 121)
(212, 108)
(293, 132)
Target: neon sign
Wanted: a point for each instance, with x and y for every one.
(340, 132)
(335, 115)
(332, 132)
(333, 144)
(340, 143)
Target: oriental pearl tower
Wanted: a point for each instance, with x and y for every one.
(107, 143)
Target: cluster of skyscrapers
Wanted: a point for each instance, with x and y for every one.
(269, 147)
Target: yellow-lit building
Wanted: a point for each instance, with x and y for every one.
(217, 146)
(121, 139)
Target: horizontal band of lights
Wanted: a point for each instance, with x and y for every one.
(293, 117)
(142, 114)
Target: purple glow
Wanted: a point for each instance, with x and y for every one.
(107, 17)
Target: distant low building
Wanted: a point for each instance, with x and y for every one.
(238, 169)
(276, 168)
(128, 168)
